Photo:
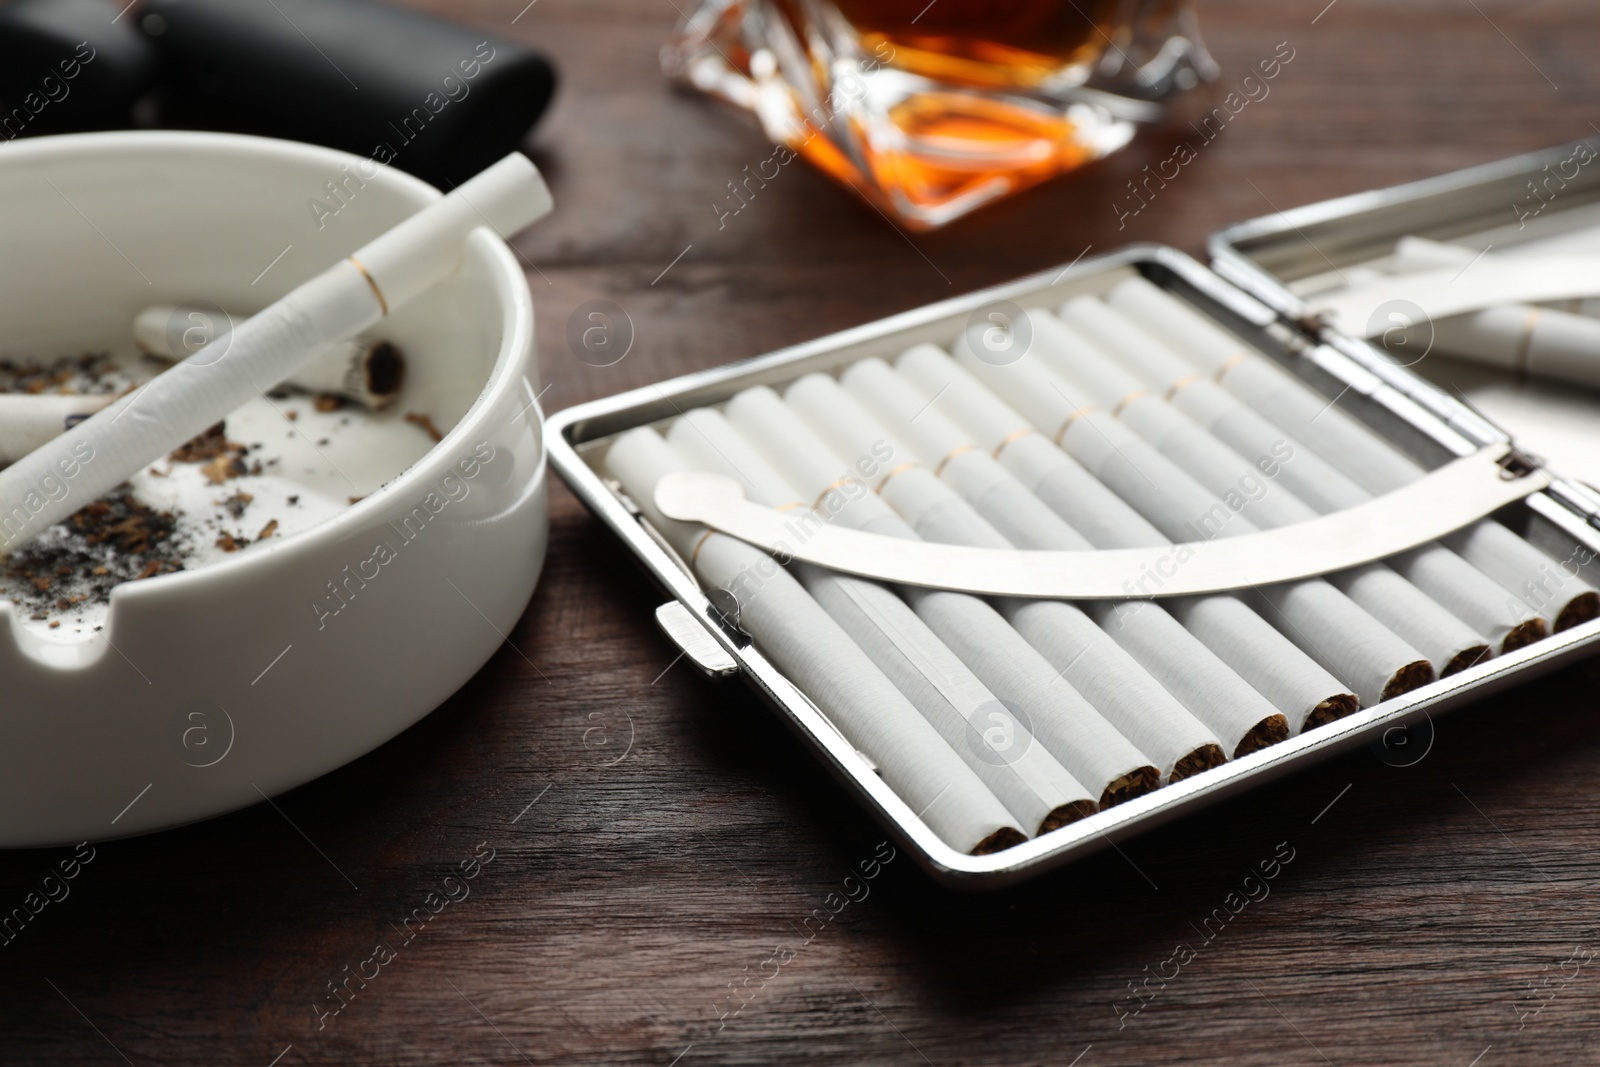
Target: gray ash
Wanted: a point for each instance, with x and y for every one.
(116, 539)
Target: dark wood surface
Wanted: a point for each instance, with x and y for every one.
(647, 883)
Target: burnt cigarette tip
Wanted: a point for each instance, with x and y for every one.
(386, 369)
(1335, 707)
(1268, 731)
(1136, 783)
(1201, 759)
(999, 841)
(1580, 609)
(1467, 657)
(1067, 814)
(1524, 634)
(1411, 676)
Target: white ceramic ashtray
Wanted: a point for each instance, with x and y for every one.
(294, 591)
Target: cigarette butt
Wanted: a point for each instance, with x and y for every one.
(28, 420)
(365, 371)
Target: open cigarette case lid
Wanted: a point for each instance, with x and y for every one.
(1485, 209)
(1248, 292)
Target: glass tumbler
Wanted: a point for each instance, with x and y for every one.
(933, 109)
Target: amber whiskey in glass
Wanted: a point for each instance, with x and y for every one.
(934, 109)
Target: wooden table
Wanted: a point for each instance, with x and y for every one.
(656, 837)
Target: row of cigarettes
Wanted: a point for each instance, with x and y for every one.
(1131, 421)
(364, 372)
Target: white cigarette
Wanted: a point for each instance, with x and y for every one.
(1080, 737)
(349, 297)
(1451, 581)
(1528, 574)
(824, 663)
(1113, 681)
(32, 420)
(1562, 344)
(1295, 684)
(996, 743)
(368, 372)
(1539, 342)
(1354, 647)
(1241, 718)
(1449, 643)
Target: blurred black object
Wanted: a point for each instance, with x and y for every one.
(436, 99)
(430, 97)
(69, 65)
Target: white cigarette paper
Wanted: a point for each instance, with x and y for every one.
(1467, 593)
(82, 464)
(994, 742)
(32, 420)
(1241, 718)
(368, 372)
(1268, 503)
(1551, 588)
(1295, 684)
(1113, 681)
(1542, 342)
(1078, 735)
(1362, 653)
(791, 629)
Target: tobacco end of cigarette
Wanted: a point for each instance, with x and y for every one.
(1524, 634)
(1580, 609)
(1335, 707)
(1268, 731)
(999, 841)
(1135, 783)
(1467, 657)
(1067, 814)
(1203, 758)
(1411, 676)
(386, 370)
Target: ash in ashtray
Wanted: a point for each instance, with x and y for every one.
(116, 539)
(277, 468)
(91, 373)
(119, 538)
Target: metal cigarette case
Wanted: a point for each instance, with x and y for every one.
(1249, 290)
